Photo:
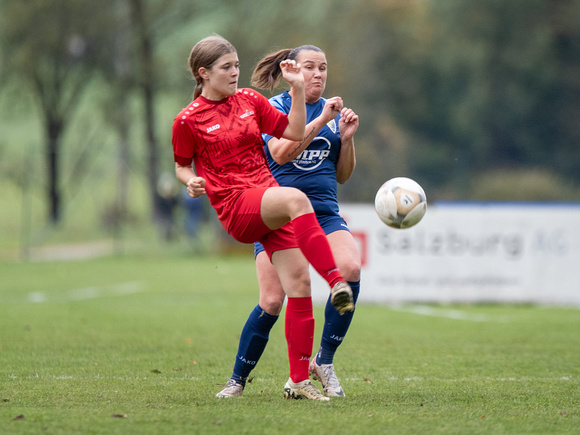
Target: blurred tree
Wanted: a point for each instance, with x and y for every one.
(145, 78)
(56, 47)
(116, 108)
(496, 85)
(151, 21)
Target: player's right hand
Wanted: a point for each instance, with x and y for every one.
(292, 73)
(196, 187)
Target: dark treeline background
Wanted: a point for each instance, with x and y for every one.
(476, 100)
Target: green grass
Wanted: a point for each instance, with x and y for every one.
(149, 338)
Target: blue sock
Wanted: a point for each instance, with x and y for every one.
(335, 328)
(253, 341)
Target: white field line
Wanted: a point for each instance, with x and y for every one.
(186, 377)
(81, 294)
(445, 313)
(486, 379)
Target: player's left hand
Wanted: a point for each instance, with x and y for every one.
(348, 123)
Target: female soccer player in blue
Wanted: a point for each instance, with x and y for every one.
(314, 165)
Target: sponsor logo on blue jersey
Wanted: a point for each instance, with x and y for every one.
(309, 159)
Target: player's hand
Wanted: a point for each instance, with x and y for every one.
(196, 187)
(331, 109)
(348, 123)
(292, 73)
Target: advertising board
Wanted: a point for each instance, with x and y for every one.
(469, 252)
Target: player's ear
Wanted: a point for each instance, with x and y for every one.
(203, 73)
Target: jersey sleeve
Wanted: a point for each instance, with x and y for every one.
(276, 104)
(271, 120)
(183, 143)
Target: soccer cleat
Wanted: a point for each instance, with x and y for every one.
(341, 297)
(325, 374)
(232, 389)
(303, 390)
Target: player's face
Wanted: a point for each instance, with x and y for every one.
(314, 69)
(221, 80)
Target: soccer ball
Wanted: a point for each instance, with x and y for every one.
(401, 202)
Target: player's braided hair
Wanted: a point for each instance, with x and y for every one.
(267, 73)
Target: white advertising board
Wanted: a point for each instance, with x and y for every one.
(469, 252)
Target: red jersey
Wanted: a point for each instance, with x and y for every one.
(223, 139)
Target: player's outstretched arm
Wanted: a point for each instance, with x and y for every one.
(297, 115)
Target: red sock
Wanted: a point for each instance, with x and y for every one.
(299, 330)
(314, 245)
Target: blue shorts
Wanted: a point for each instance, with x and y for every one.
(329, 224)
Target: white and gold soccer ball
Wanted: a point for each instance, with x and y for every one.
(401, 202)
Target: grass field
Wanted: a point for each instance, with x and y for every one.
(140, 344)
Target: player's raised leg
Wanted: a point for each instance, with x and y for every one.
(280, 204)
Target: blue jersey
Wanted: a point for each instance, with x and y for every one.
(314, 170)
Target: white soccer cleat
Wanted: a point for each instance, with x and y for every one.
(303, 390)
(341, 297)
(232, 389)
(325, 374)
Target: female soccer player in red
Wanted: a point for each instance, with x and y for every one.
(219, 134)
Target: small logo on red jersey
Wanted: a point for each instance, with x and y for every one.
(215, 127)
(248, 113)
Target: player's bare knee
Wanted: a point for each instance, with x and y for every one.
(350, 271)
(300, 203)
(300, 285)
(272, 305)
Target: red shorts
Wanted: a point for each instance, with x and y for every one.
(245, 224)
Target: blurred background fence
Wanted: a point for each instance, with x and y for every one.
(476, 100)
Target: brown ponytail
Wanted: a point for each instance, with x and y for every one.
(267, 73)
